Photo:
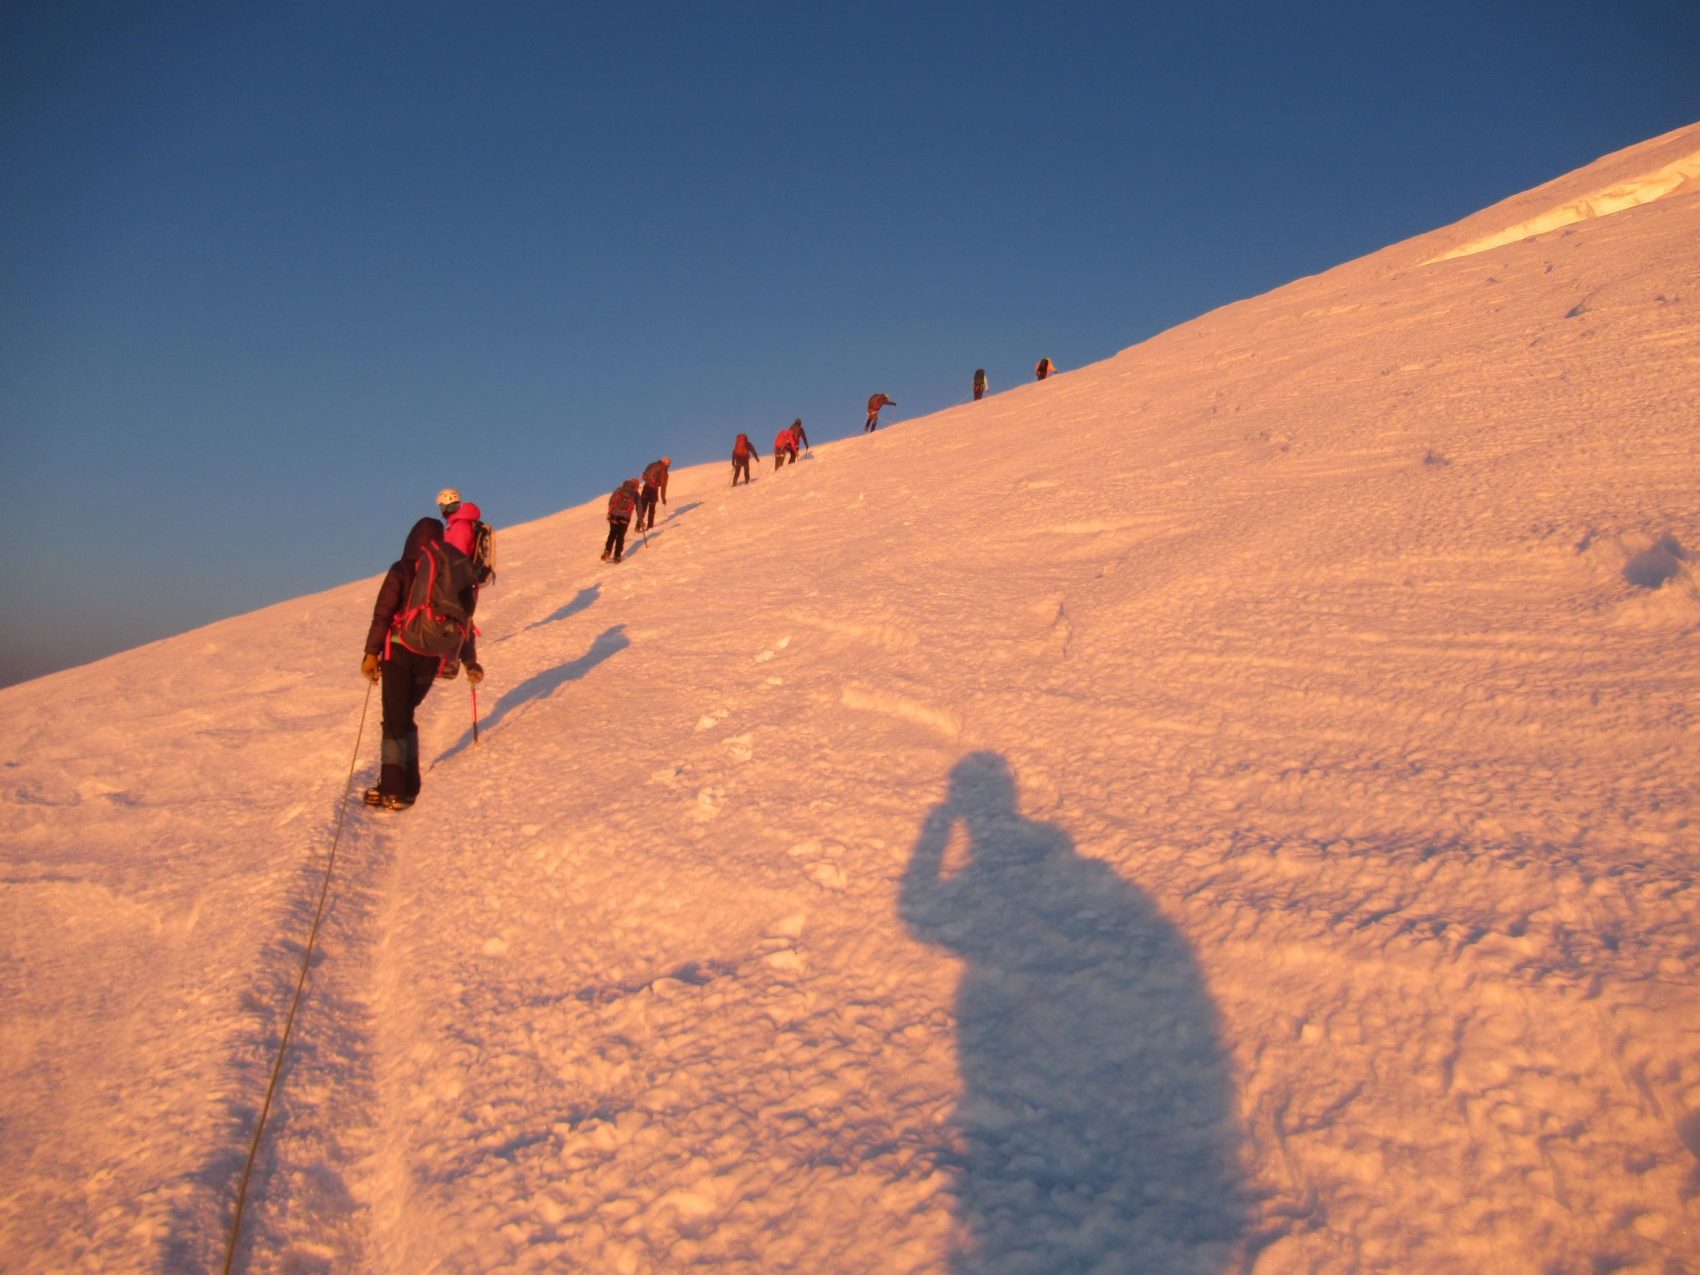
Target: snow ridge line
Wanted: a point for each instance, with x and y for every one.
(300, 988)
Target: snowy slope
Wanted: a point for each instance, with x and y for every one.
(1229, 807)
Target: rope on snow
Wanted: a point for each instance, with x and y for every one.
(300, 987)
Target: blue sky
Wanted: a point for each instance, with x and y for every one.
(272, 275)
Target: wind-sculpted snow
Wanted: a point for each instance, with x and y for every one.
(1653, 170)
(1672, 177)
(1228, 808)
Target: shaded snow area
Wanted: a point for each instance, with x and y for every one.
(1227, 808)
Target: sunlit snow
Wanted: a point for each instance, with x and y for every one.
(1230, 807)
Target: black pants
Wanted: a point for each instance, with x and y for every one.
(407, 680)
(646, 506)
(979, 392)
(740, 465)
(873, 422)
(616, 538)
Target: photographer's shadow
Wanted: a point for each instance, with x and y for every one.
(1097, 1126)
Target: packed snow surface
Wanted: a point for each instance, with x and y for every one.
(1227, 808)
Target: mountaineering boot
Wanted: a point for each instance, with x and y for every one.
(385, 800)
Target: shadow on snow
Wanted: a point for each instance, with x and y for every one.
(609, 642)
(1096, 1128)
(582, 601)
(636, 540)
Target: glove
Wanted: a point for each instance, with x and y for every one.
(370, 667)
(474, 673)
(448, 670)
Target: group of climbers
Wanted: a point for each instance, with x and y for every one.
(788, 444)
(638, 496)
(635, 497)
(1042, 369)
(422, 627)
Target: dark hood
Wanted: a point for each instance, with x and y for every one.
(425, 531)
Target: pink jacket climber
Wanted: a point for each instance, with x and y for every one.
(462, 530)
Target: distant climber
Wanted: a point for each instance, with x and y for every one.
(622, 504)
(874, 404)
(654, 484)
(784, 447)
(979, 384)
(421, 622)
(743, 452)
(1043, 368)
(798, 433)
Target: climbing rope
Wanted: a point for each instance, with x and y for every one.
(300, 986)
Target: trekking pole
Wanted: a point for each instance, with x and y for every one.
(300, 987)
(473, 687)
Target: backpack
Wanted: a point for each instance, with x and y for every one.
(484, 554)
(621, 503)
(654, 474)
(743, 447)
(433, 622)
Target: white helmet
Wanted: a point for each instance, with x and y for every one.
(447, 499)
